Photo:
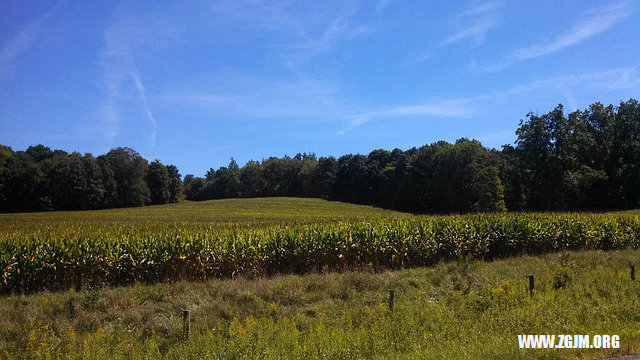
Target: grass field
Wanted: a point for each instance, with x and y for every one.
(459, 307)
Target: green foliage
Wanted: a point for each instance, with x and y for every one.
(129, 169)
(43, 179)
(73, 181)
(23, 184)
(5, 154)
(456, 177)
(176, 187)
(158, 182)
(585, 160)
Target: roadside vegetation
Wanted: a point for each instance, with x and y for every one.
(457, 310)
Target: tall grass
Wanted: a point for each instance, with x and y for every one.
(455, 310)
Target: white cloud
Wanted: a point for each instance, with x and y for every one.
(446, 108)
(623, 81)
(593, 23)
(383, 4)
(23, 40)
(243, 95)
(449, 108)
(475, 31)
(121, 38)
(475, 23)
(472, 106)
(339, 27)
(472, 24)
(311, 29)
(114, 52)
(144, 104)
(308, 98)
(596, 80)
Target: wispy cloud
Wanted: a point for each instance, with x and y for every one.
(383, 4)
(311, 28)
(115, 60)
(121, 38)
(471, 24)
(475, 31)
(475, 23)
(621, 80)
(593, 23)
(23, 39)
(596, 80)
(449, 108)
(11, 115)
(308, 98)
(565, 86)
(339, 27)
(467, 107)
(144, 104)
(244, 95)
(459, 107)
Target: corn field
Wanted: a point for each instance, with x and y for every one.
(54, 255)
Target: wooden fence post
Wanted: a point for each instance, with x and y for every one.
(531, 285)
(633, 271)
(186, 323)
(392, 295)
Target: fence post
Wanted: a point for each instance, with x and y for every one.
(633, 271)
(392, 295)
(531, 285)
(186, 323)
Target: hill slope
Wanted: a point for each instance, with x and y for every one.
(253, 212)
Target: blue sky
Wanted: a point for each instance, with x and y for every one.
(194, 83)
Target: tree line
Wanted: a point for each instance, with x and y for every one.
(43, 179)
(585, 160)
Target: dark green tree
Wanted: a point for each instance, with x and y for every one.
(324, 177)
(158, 182)
(624, 158)
(129, 169)
(542, 167)
(251, 181)
(224, 182)
(194, 188)
(354, 179)
(23, 184)
(5, 154)
(73, 182)
(176, 188)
